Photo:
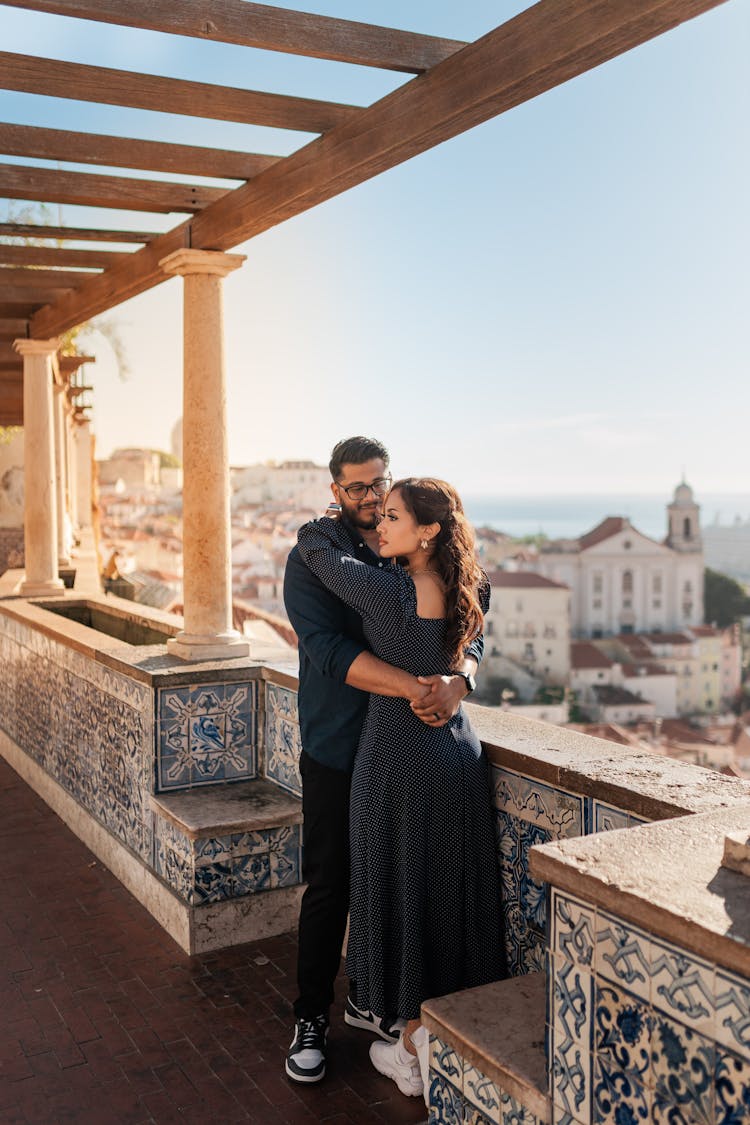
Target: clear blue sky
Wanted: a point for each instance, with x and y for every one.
(557, 301)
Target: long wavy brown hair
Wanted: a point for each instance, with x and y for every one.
(435, 501)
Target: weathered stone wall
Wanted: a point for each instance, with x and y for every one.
(11, 548)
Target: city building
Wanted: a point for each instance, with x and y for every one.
(527, 631)
(134, 467)
(622, 581)
(301, 483)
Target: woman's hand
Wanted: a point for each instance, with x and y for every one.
(441, 700)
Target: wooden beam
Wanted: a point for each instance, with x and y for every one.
(32, 75)
(50, 185)
(126, 152)
(542, 47)
(74, 234)
(58, 256)
(265, 27)
(23, 279)
(69, 364)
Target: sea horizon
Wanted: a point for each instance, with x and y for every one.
(570, 515)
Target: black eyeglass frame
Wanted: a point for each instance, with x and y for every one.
(359, 491)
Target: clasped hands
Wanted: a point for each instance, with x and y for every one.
(439, 699)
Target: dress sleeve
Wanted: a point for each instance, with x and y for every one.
(476, 648)
(385, 594)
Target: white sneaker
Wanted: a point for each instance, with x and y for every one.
(393, 1060)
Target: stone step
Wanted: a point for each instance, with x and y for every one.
(487, 1050)
(226, 841)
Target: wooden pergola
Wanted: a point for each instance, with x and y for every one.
(47, 288)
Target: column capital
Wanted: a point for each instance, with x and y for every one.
(36, 347)
(187, 262)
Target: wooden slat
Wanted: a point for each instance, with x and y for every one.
(42, 295)
(31, 75)
(126, 152)
(58, 256)
(34, 279)
(13, 328)
(542, 47)
(74, 234)
(15, 309)
(8, 354)
(271, 29)
(20, 181)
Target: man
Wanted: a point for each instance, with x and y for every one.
(336, 674)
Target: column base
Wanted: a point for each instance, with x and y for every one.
(39, 589)
(197, 647)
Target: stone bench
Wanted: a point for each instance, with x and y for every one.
(223, 850)
(487, 1054)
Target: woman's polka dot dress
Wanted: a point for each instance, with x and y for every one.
(425, 916)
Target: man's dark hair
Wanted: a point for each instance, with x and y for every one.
(355, 451)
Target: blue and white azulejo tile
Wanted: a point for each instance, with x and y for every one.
(207, 733)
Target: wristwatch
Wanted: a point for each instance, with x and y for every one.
(469, 680)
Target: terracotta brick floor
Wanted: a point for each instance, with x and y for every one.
(103, 1019)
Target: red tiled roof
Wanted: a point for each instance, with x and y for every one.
(649, 669)
(585, 655)
(519, 579)
(705, 631)
(635, 645)
(668, 638)
(611, 694)
(604, 530)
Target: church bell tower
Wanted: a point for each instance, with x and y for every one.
(683, 526)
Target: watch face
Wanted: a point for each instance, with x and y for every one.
(470, 682)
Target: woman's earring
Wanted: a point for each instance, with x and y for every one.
(423, 544)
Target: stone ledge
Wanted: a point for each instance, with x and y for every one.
(240, 806)
(499, 1029)
(666, 878)
(648, 785)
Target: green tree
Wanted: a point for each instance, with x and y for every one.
(725, 599)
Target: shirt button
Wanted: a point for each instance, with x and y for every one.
(361, 544)
(380, 564)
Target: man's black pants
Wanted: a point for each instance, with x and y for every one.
(325, 869)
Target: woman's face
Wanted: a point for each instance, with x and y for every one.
(398, 531)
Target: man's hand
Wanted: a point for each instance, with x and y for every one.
(441, 700)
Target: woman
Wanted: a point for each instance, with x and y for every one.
(425, 901)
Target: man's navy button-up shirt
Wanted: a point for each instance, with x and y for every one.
(330, 637)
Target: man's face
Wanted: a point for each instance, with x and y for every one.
(362, 511)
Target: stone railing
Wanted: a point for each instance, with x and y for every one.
(184, 780)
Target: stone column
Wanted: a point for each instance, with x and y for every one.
(72, 469)
(83, 472)
(63, 537)
(206, 527)
(40, 516)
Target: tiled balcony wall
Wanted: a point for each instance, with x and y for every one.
(115, 725)
(639, 1025)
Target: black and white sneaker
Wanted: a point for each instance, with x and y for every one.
(387, 1028)
(306, 1057)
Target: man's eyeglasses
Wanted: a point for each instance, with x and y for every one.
(359, 491)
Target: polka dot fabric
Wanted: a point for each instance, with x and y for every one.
(425, 902)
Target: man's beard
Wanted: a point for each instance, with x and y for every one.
(366, 519)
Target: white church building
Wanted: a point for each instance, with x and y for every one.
(621, 581)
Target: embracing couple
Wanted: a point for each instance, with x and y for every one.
(398, 827)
